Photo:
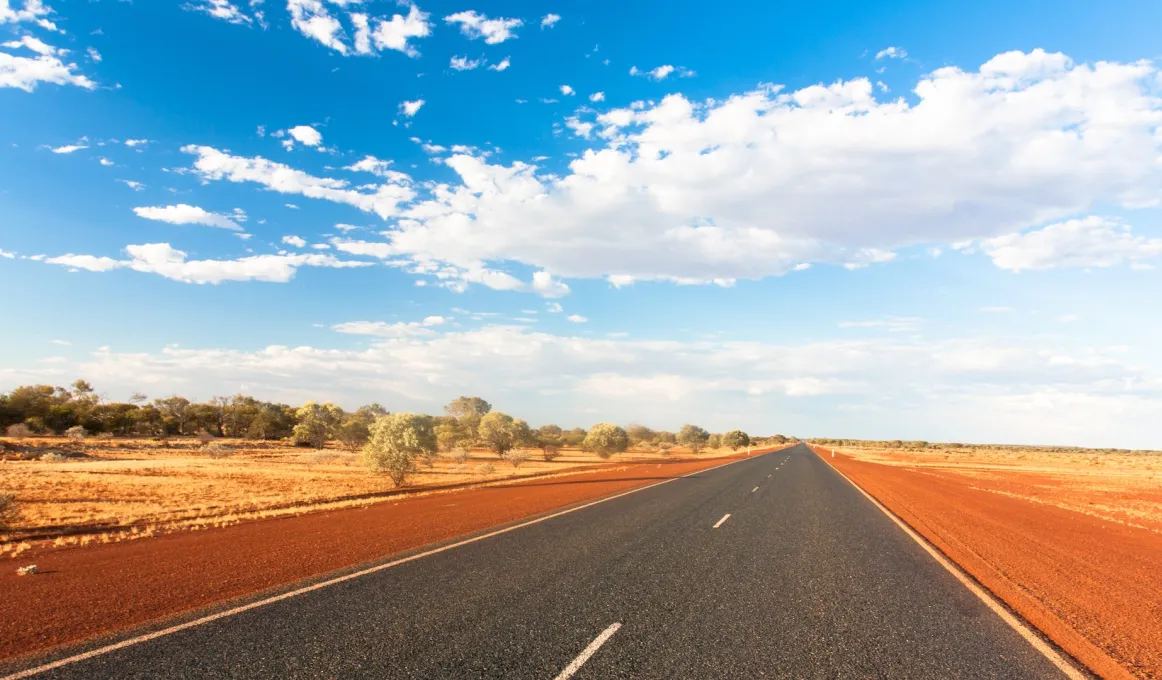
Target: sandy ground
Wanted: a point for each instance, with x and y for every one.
(83, 592)
(1071, 541)
(132, 488)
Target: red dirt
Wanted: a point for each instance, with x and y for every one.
(1093, 586)
(84, 592)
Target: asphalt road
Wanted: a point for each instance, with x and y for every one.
(805, 579)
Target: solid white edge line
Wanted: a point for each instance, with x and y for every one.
(576, 664)
(330, 582)
(984, 596)
(724, 518)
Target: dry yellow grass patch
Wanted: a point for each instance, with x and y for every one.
(125, 489)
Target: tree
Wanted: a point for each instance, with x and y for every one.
(315, 423)
(175, 413)
(575, 437)
(498, 432)
(639, 434)
(714, 442)
(779, 439)
(606, 439)
(693, 437)
(662, 437)
(735, 439)
(396, 441)
(549, 439)
(464, 407)
(353, 432)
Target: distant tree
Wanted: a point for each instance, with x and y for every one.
(462, 407)
(549, 438)
(575, 437)
(663, 437)
(175, 413)
(498, 432)
(516, 457)
(639, 434)
(735, 439)
(606, 439)
(315, 423)
(138, 398)
(714, 442)
(396, 441)
(779, 439)
(352, 433)
(693, 437)
(19, 430)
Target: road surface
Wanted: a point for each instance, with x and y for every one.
(771, 567)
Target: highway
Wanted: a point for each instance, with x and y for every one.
(770, 567)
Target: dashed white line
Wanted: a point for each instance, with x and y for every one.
(577, 663)
(724, 518)
(754, 489)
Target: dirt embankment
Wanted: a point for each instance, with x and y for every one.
(1093, 585)
(83, 592)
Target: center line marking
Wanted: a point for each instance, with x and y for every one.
(589, 651)
(724, 518)
(754, 489)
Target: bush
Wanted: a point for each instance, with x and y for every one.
(460, 453)
(204, 437)
(76, 433)
(18, 430)
(516, 457)
(485, 469)
(397, 440)
(9, 510)
(664, 448)
(216, 449)
(53, 458)
(606, 439)
(549, 452)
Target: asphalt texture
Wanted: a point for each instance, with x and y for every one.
(806, 579)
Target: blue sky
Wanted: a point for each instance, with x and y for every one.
(891, 221)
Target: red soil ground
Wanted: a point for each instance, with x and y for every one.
(1092, 585)
(81, 593)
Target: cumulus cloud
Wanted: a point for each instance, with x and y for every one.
(662, 72)
(892, 53)
(577, 318)
(502, 66)
(1089, 242)
(567, 91)
(24, 72)
(188, 214)
(411, 108)
(399, 329)
(305, 135)
(549, 20)
(167, 261)
(316, 20)
(35, 11)
(295, 241)
(765, 182)
(465, 64)
(221, 9)
(69, 148)
(212, 164)
(597, 97)
(476, 25)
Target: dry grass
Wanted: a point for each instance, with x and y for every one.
(1124, 487)
(99, 491)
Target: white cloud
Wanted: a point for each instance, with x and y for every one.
(35, 11)
(305, 135)
(502, 66)
(212, 164)
(188, 214)
(475, 25)
(379, 168)
(164, 260)
(26, 73)
(315, 20)
(579, 127)
(221, 9)
(7, 255)
(767, 181)
(577, 318)
(295, 241)
(1089, 242)
(105, 161)
(554, 307)
(465, 64)
(597, 97)
(549, 20)
(410, 108)
(662, 72)
(567, 91)
(892, 53)
(69, 148)
(134, 143)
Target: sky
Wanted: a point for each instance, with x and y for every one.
(892, 220)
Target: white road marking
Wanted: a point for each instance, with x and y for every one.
(1016, 624)
(754, 489)
(330, 582)
(724, 518)
(577, 663)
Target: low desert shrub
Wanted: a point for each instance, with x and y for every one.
(76, 433)
(516, 457)
(550, 453)
(460, 454)
(53, 458)
(485, 469)
(216, 449)
(30, 570)
(204, 437)
(105, 436)
(18, 430)
(9, 510)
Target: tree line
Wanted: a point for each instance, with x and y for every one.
(391, 442)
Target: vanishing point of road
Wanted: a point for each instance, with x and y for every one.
(770, 567)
